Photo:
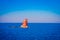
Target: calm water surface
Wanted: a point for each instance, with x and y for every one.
(35, 31)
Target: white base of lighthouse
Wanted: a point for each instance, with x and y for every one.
(24, 26)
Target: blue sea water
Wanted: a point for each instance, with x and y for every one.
(35, 31)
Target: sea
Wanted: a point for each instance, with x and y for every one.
(35, 31)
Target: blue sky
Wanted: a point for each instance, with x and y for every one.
(9, 7)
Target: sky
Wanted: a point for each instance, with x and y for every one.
(42, 11)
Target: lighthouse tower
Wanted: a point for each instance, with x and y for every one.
(24, 23)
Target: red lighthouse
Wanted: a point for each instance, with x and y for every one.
(24, 23)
